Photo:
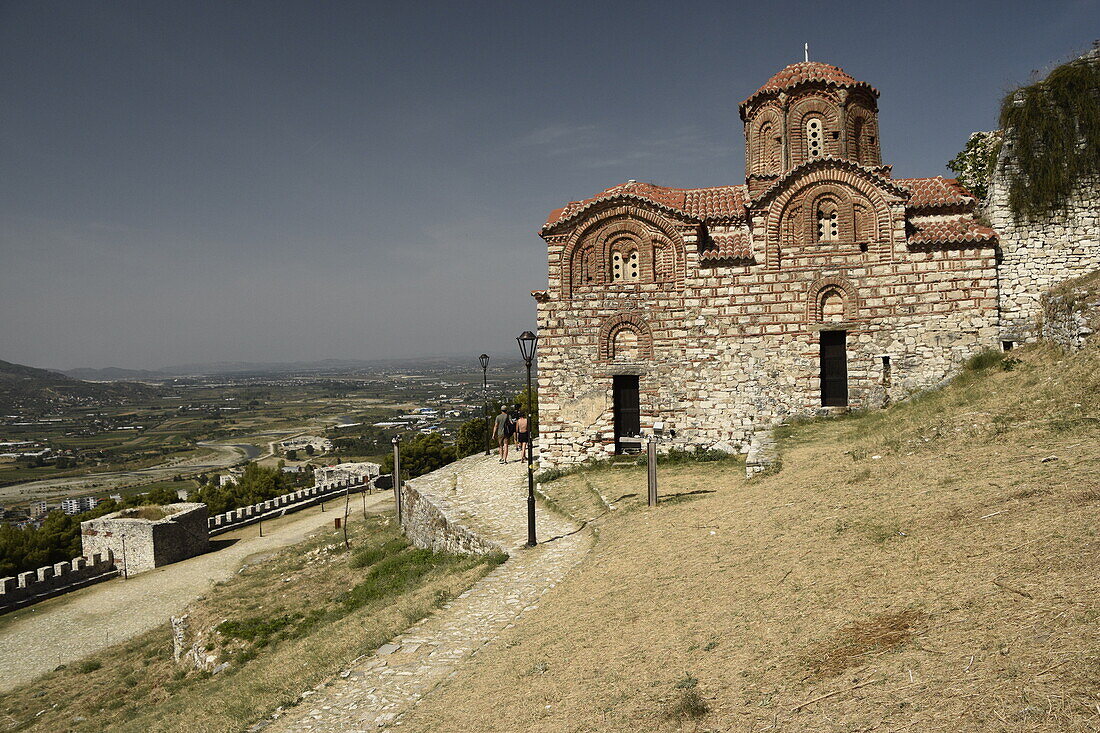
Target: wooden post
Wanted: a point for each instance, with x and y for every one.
(651, 461)
(397, 477)
(347, 501)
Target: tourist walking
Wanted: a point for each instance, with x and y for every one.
(523, 435)
(503, 428)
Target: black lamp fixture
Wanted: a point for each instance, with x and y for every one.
(527, 343)
(484, 359)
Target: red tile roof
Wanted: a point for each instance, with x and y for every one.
(935, 191)
(734, 245)
(959, 231)
(804, 72)
(717, 203)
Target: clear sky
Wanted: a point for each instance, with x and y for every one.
(278, 181)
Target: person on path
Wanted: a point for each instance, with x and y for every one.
(523, 435)
(502, 433)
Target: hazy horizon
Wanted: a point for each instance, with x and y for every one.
(289, 181)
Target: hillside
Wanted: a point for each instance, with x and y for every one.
(24, 388)
(929, 567)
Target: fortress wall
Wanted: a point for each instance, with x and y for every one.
(52, 580)
(283, 505)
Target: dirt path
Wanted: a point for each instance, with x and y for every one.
(491, 499)
(36, 639)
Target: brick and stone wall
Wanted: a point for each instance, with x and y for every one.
(735, 349)
(37, 585)
(143, 544)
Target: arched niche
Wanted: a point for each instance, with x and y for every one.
(625, 337)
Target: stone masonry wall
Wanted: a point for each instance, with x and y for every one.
(45, 582)
(1070, 313)
(141, 544)
(1038, 255)
(429, 523)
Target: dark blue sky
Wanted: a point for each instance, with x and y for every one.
(276, 181)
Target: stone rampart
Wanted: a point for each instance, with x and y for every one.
(140, 543)
(1070, 313)
(430, 522)
(37, 585)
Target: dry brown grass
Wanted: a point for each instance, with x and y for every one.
(950, 584)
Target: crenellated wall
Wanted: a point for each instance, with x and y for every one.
(33, 586)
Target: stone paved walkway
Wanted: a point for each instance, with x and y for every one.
(490, 499)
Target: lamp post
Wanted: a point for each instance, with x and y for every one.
(527, 342)
(484, 358)
(397, 476)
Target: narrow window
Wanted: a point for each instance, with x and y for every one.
(828, 226)
(632, 266)
(617, 267)
(814, 138)
(1007, 345)
(886, 371)
(857, 141)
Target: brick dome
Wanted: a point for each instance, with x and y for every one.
(804, 72)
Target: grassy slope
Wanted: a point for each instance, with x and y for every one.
(923, 563)
(136, 686)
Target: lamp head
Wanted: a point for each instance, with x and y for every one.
(484, 359)
(527, 341)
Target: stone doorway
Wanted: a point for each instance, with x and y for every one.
(834, 369)
(627, 411)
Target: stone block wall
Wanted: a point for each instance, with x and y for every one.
(1070, 313)
(142, 544)
(45, 582)
(284, 504)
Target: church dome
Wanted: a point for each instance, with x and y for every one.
(805, 72)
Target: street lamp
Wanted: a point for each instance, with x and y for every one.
(397, 476)
(484, 359)
(527, 342)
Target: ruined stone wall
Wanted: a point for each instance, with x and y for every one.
(141, 544)
(736, 349)
(1070, 313)
(1038, 255)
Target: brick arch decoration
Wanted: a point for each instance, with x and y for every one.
(855, 188)
(826, 108)
(821, 286)
(588, 248)
(760, 149)
(861, 127)
(631, 321)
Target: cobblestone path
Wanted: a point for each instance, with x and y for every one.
(490, 499)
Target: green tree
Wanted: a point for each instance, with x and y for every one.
(470, 437)
(423, 454)
(292, 455)
(309, 449)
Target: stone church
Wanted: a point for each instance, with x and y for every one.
(711, 314)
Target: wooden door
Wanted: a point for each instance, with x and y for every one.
(627, 409)
(834, 369)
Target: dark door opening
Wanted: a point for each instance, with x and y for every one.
(627, 412)
(834, 369)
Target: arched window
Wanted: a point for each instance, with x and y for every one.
(632, 266)
(815, 138)
(832, 306)
(828, 222)
(617, 266)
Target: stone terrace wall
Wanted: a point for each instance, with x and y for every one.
(53, 580)
(143, 544)
(428, 520)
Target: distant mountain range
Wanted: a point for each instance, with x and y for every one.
(322, 367)
(24, 388)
